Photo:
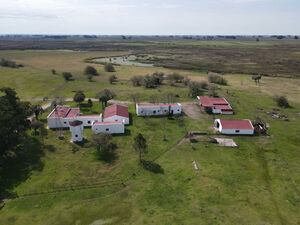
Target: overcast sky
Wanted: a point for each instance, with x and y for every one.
(163, 17)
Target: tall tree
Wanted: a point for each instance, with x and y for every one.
(38, 110)
(67, 75)
(79, 97)
(112, 78)
(140, 145)
(104, 145)
(109, 67)
(104, 96)
(13, 119)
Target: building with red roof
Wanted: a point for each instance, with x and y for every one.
(158, 109)
(111, 127)
(116, 113)
(62, 115)
(215, 105)
(236, 127)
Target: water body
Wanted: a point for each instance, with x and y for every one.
(128, 60)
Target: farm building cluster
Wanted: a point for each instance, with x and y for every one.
(115, 117)
(113, 122)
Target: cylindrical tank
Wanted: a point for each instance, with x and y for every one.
(76, 128)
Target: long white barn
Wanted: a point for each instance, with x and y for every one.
(114, 127)
(158, 110)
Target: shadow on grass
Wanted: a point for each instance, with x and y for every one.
(17, 166)
(152, 166)
(108, 156)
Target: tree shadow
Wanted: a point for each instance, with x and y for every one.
(17, 166)
(108, 156)
(152, 166)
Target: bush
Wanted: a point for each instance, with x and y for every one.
(148, 81)
(176, 77)
(152, 166)
(8, 63)
(282, 101)
(67, 76)
(137, 80)
(216, 79)
(112, 79)
(109, 67)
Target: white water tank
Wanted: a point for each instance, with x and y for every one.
(76, 128)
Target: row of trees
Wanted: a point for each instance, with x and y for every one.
(103, 96)
(9, 63)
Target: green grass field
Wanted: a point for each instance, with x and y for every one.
(256, 183)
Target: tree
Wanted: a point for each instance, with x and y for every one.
(53, 71)
(158, 78)
(13, 120)
(89, 70)
(176, 77)
(112, 78)
(137, 80)
(296, 37)
(67, 75)
(108, 67)
(148, 82)
(90, 103)
(140, 145)
(104, 96)
(79, 97)
(37, 109)
(104, 145)
(196, 88)
(35, 125)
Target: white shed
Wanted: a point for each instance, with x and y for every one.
(115, 127)
(236, 127)
(158, 110)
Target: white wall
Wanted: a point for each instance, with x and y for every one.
(88, 121)
(77, 133)
(157, 110)
(64, 122)
(112, 128)
(117, 118)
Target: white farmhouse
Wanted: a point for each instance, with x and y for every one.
(115, 113)
(62, 115)
(114, 127)
(158, 110)
(76, 128)
(236, 127)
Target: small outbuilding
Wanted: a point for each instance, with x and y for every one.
(234, 127)
(114, 127)
(215, 105)
(116, 113)
(158, 110)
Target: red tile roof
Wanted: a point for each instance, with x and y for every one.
(107, 123)
(60, 112)
(72, 113)
(209, 102)
(237, 124)
(223, 107)
(116, 110)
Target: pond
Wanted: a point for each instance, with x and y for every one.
(128, 60)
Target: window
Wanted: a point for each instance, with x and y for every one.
(76, 135)
(154, 111)
(89, 122)
(157, 110)
(116, 120)
(237, 131)
(65, 122)
(166, 110)
(178, 110)
(107, 129)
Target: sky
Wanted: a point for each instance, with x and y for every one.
(150, 17)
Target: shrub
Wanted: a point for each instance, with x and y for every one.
(67, 75)
(8, 63)
(148, 81)
(176, 77)
(112, 79)
(282, 101)
(109, 67)
(137, 80)
(216, 79)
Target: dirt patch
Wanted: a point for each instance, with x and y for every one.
(191, 110)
